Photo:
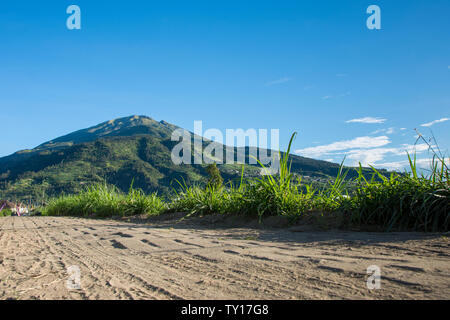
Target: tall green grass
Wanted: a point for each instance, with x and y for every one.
(105, 201)
(281, 194)
(213, 198)
(411, 201)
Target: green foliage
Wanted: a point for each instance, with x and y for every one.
(410, 201)
(105, 201)
(277, 194)
(196, 200)
(5, 213)
(215, 179)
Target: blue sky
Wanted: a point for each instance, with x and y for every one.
(306, 66)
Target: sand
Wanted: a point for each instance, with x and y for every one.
(191, 260)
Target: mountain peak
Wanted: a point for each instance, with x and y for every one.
(120, 123)
(125, 126)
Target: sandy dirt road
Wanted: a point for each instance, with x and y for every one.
(120, 260)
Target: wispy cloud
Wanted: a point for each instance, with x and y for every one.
(390, 131)
(278, 81)
(373, 156)
(367, 120)
(359, 142)
(345, 94)
(429, 124)
(364, 150)
(341, 75)
(386, 131)
(399, 165)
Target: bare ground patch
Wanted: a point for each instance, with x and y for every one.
(210, 258)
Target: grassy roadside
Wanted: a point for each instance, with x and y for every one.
(400, 202)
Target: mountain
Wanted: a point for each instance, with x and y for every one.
(133, 150)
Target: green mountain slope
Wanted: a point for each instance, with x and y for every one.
(120, 152)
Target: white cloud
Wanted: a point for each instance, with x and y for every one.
(367, 120)
(387, 131)
(429, 124)
(400, 165)
(421, 147)
(327, 97)
(359, 142)
(366, 157)
(364, 150)
(373, 156)
(278, 81)
(390, 131)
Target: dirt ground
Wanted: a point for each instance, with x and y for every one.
(191, 260)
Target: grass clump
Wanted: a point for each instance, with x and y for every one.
(285, 194)
(105, 201)
(197, 200)
(213, 198)
(279, 194)
(409, 201)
